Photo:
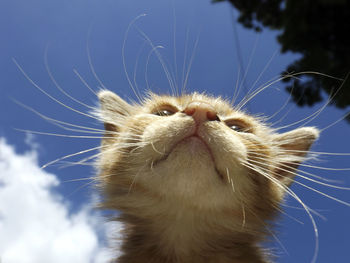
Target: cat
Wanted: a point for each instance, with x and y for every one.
(194, 179)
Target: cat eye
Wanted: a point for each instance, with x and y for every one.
(238, 126)
(163, 112)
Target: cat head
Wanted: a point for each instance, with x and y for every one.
(195, 151)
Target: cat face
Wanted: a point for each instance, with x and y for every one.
(195, 151)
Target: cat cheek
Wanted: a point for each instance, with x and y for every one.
(227, 145)
(229, 152)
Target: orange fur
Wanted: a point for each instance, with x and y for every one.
(211, 197)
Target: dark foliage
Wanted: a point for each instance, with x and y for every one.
(319, 30)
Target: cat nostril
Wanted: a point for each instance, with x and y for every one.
(201, 112)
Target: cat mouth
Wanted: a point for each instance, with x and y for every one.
(195, 145)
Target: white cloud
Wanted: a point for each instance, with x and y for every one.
(35, 225)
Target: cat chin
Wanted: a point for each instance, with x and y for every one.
(201, 151)
(195, 145)
(191, 149)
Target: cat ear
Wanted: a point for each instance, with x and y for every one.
(293, 148)
(113, 109)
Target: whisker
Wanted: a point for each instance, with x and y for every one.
(296, 197)
(135, 177)
(194, 50)
(235, 93)
(270, 83)
(263, 71)
(161, 60)
(58, 122)
(332, 96)
(229, 179)
(138, 96)
(154, 148)
(79, 179)
(301, 176)
(61, 135)
(263, 157)
(312, 211)
(183, 91)
(313, 189)
(243, 82)
(136, 66)
(84, 82)
(317, 153)
(271, 232)
(81, 187)
(147, 64)
(280, 110)
(314, 115)
(289, 216)
(70, 155)
(47, 94)
(91, 65)
(54, 81)
(174, 50)
(66, 164)
(334, 123)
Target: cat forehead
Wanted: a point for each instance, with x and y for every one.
(222, 107)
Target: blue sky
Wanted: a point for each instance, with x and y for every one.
(29, 29)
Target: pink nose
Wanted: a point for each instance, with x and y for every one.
(201, 112)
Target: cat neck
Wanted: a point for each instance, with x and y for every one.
(186, 239)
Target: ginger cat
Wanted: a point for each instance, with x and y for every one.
(194, 179)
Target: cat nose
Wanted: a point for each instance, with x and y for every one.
(201, 111)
